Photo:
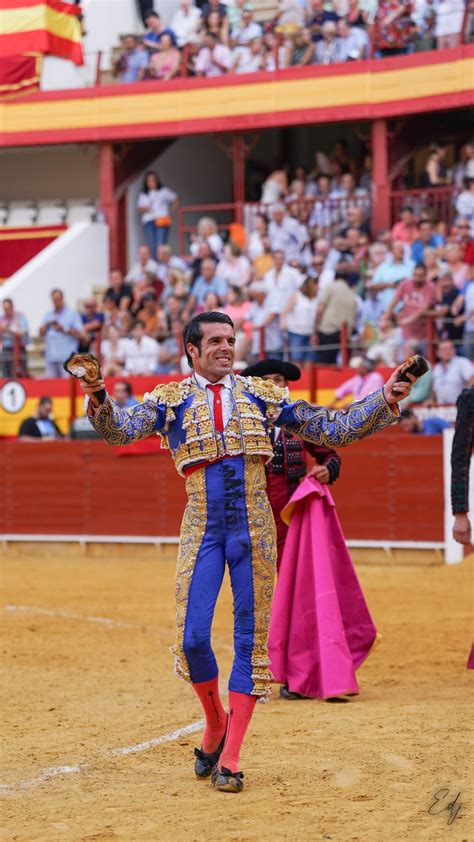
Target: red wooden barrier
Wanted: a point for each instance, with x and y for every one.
(390, 489)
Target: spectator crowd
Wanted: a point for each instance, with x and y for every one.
(300, 279)
(217, 39)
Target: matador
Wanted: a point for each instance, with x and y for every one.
(217, 426)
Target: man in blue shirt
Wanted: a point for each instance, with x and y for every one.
(410, 423)
(426, 237)
(155, 30)
(132, 61)
(122, 395)
(206, 282)
(62, 329)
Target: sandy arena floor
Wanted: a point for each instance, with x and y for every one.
(76, 688)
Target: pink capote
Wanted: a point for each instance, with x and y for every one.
(321, 629)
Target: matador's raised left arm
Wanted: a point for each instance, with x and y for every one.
(338, 428)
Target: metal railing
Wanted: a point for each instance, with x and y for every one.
(438, 202)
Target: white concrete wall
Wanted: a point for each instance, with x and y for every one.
(75, 262)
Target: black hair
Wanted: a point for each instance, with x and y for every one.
(407, 413)
(159, 185)
(45, 399)
(193, 331)
(8, 301)
(151, 14)
(406, 208)
(139, 323)
(125, 385)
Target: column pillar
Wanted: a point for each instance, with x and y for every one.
(108, 202)
(381, 218)
(238, 169)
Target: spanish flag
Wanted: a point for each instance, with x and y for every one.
(49, 27)
(19, 75)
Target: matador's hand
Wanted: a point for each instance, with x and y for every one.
(462, 529)
(395, 390)
(91, 388)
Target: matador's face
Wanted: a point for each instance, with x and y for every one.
(216, 357)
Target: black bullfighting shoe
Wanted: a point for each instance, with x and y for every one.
(287, 694)
(226, 781)
(204, 763)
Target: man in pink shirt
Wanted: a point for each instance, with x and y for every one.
(405, 229)
(362, 384)
(416, 296)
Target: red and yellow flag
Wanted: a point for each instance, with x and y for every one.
(19, 75)
(50, 27)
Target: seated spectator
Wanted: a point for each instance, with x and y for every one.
(217, 25)
(465, 203)
(275, 58)
(132, 62)
(289, 18)
(141, 352)
(214, 58)
(118, 290)
(248, 28)
(405, 229)
(112, 352)
(450, 306)
(207, 232)
(460, 271)
(120, 318)
(260, 230)
(92, 324)
(395, 268)
(40, 427)
(318, 16)
(394, 28)
(152, 316)
(62, 329)
(122, 395)
(300, 49)
(249, 58)
(366, 381)
(424, 19)
(324, 212)
(355, 42)
(298, 318)
(465, 241)
(286, 233)
(449, 18)
(149, 286)
(210, 304)
(165, 62)
(410, 423)
(264, 262)
(186, 23)
(171, 349)
(13, 341)
(214, 6)
(387, 349)
(166, 262)
(467, 321)
(264, 316)
(355, 16)
(207, 281)
(425, 237)
(155, 30)
(144, 264)
(434, 264)
(173, 307)
(451, 374)
(337, 305)
(234, 267)
(417, 297)
(329, 50)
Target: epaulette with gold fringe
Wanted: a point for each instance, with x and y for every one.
(266, 390)
(170, 394)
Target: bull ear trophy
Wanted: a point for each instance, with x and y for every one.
(85, 367)
(415, 365)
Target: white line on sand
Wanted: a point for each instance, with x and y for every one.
(67, 615)
(55, 771)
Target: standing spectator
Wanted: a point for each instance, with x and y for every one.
(275, 186)
(154, 32)
(393, 27)
(337, 305)
(282, 279)
(40, 427)
(426, 237)
(467, 321)
(366, 380)
(465, 166)
(118, 291)
(450, 306)
(260, 230)
(465, 203)
(460, 271)
(166, 60)
(298, 318)
(92, 324)
(234, 267)
(13, 341)
(395, 268)
(122, 395)
(112, 352)
(62, 329)
(213, 59)
(141, 352)
(144, 264)
(132, 62)
(465, 240)
(155, 204)
(186, 23)
(330, 49)
(264, 315)
(434, 173)
(248, 28)
(405, 229)
(207, 281)
(286, 233)
(450, 375)
(417, 297)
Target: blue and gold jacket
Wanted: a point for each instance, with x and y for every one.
(180, 413)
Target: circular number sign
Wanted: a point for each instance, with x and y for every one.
(12, 396)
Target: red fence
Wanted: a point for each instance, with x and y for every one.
(390, 489)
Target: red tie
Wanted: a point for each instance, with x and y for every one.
(218, 417)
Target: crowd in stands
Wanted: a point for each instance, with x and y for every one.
(217, 39)
(303, 278)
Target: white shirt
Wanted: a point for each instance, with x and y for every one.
(227, 395)
(141, 358)
(449, 380)
(186, 24)
(247, 33)
(284, 283)
(248, 61)
(156, 203)
(138, 271)
(289, 237)
(469, 307)
(206, 58)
